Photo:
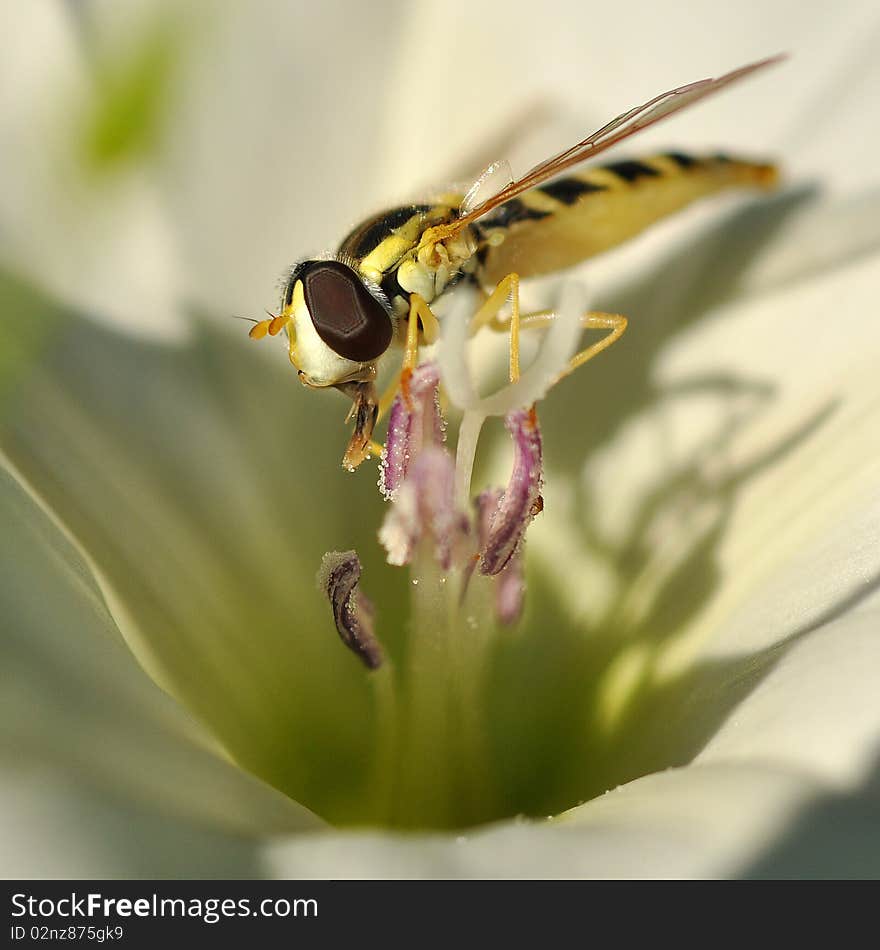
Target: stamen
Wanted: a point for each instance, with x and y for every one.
(414, 424)
(510, 585)
(353, 613)
(521, 500)
(510, 589)
(424, 509)
(557, 347)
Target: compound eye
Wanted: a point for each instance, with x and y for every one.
(346, 316)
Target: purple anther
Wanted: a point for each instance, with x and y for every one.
(414, 423)
(352, 612)
(424, 508)
(521, 500)
(509, 583)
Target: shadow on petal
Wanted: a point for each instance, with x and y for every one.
(598, 713)
(835, 837)
(102, 773)
(704, 273)
(202, 483)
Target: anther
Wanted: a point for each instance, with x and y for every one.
(353, 613)
(521, 500)
(414, 423)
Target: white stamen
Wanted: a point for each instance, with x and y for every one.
(558, 346)
(468, 437)
(452, 351)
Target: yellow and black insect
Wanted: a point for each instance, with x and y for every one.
(343, 314)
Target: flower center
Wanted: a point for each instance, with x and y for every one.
(432, 764)
(477, 716)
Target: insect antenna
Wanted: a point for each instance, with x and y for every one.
(260, 328)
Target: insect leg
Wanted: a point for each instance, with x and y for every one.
(387, 397)
(364, 410)
(487, 315)
(596, 320)
(419, 313)
(592, 320)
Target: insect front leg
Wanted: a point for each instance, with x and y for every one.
(364, 410)
(421, 320)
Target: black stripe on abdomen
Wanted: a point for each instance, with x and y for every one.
(509, 213)
(683, 161)
(632, 171)
(569, 190)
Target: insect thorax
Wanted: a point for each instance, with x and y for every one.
(388, 249)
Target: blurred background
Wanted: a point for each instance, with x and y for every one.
(161, 156)
(164, 163)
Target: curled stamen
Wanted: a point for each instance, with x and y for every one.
(424, 508)
(413, 424)
(558, 345)
(353, 613)
(521, 500)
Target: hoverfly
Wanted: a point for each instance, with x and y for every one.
(341, 315)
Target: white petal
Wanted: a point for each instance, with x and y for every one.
(102, 773)
(814, 709)
(101, 241)
(57, 826)
(730, 503)
(754, 428)
(203, 486)
(257, 177)
(706, 821)
(583, 82)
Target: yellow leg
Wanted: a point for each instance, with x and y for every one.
(418, 311)
(508, 289)
(596, 320)
(387, 397)
(592, 320)
(487, 315)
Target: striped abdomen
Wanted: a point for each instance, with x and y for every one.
(565, 221)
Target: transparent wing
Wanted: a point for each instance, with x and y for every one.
(493, 180)
(615, 131)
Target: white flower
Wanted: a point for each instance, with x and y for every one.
(701, 638)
